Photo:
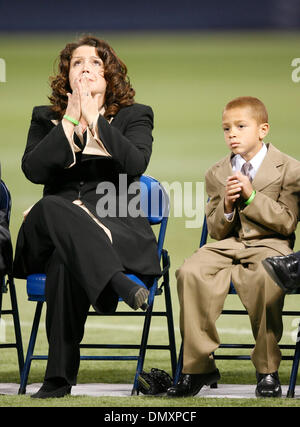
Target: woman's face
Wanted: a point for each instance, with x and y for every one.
(85, 63)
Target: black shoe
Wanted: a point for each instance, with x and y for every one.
(268, 385)
(191, 384)
(52, 389)
(284, 271)
(137, 299)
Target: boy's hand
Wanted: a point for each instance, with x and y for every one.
(237, 185)
(247, 188)
(232, 192)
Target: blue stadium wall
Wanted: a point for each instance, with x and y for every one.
(90, 15)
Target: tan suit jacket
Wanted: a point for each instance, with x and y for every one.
(271, 218)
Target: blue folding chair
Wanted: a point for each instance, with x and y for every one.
(9, 285)
(155, 205)
(232, 291)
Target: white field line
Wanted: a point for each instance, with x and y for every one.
(154, 328)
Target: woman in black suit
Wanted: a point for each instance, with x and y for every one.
(87, 148)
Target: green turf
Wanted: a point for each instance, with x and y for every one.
(187, 78)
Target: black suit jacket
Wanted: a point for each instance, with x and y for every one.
(128, 139)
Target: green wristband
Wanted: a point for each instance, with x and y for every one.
(247, 202)
(74, 121)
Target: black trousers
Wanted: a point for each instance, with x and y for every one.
(79, 261)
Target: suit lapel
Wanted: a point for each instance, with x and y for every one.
(224, 170)
(268, 171)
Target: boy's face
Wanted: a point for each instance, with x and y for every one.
(242, 133)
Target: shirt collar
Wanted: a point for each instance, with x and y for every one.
(256, 161)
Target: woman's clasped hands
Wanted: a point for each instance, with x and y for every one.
(82, 105)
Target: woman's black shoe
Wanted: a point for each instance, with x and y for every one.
(132, 293)
(137, 298)
(191, 384)
(52, 389)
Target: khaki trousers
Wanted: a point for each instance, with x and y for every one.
(203, 283)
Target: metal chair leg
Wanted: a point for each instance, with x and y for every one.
(31, 345)
(294, 371)
(179, 365)
(16, 319)
(170, 322)
(143, 348)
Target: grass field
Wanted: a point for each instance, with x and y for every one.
(187, 79)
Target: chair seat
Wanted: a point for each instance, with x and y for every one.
(36, 286)
(136, 280)
(232, 290)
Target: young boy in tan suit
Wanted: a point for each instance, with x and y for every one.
(252, 213)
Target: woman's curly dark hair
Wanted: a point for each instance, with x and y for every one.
(119, 92)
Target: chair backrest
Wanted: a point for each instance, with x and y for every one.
(154, 200)
(5, 200)
(204, 233)
(155, 205)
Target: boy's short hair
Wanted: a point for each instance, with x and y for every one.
(258, 108)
